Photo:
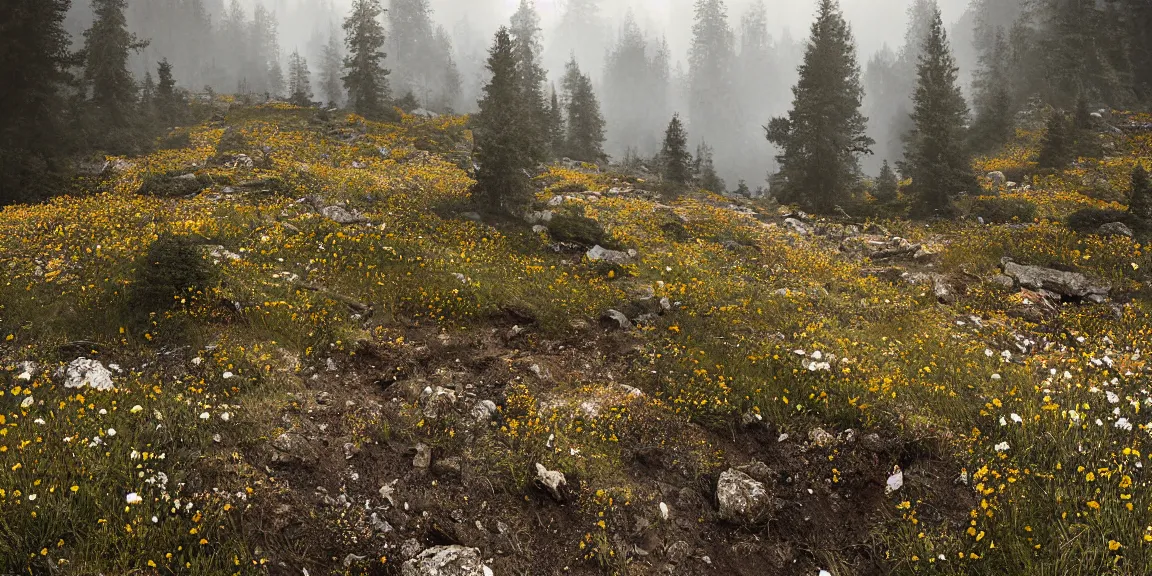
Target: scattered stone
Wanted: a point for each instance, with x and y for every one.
(473, 216)
(436, 402)
(341, 215)
(84, 372)
(617, 320)
(1066, 284)
(821, 438)
(539, 229)
(541, 217)
(601, 254)
(446, 561)
(997, 178)
(423, 457)
(448, 468)
(678, 552)
(551, 480)
(1003, 281)
(895, 481)
(797, 226)
(484, 411)
(741, 498)
(1115, 229)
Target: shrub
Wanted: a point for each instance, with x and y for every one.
(173, 267)
(174, 184)
(576, 228)
(1088, 220)
(1003, 210)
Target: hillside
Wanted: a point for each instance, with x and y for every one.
(306, 354)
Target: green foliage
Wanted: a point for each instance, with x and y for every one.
(1089, 220)
(174, 184)
(1056, 147)
(676, 161)
(1140, 196)
(173, 268)
(299, 80)
(527, 47)
(585, 139)
(1003, 210)
(576, 228)
(887, 185)
(935, 153)
(366, 79)
(706, 170)
(993, 124)
(556, 129)
(824, 133)
(112, 107)
(506, 147)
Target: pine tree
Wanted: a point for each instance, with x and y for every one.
(936, 154)
(635, 90)
(712, 106)
(581, 32)
(1140, 197)
(330, 79)
(505, 149)
(887, 185)
(170, 104)
(148, 97)
(276, 82)
(823, 134)
(299, 80)
(451, 83)
(706, 170)
(1084, 141)
(556, 129)
(1055, 147)
(585, 124)
(525, 34)
(676, 161)
(993, 124)
(107, 45)
(366, 80)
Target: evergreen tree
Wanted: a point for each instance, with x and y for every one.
(585, 124)
(1084, 141)
(936, 154)
(556, 128)
(581, 33)
(676, 161)
(416, 62)
(993, 124)
(635, 90)
(525, 34)
(887, 185)
(1055, 147)
(1140, 197)
(712, 107)
(107, 45)
(706, 170)
(330, 79)
(148, 97)
(451, 83)
(170, 104)
(299, 80)
(366, 80)
(276, 82)
(505, 149)
(823, 134)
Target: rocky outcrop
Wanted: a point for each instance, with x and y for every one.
(446, 561)
(1067, 285)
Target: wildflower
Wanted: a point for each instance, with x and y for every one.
(1002, 447)
(137, 409)
(1123, 424)
(27, 402)
(133, 498)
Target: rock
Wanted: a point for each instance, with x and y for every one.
(820, 437)
(1003, 281)
(551, 480)
(997, 178)
(423, 113)
(942, 290)
(539, 229)
(556, 201)
(341, 215)
(616, 320)
(1066, 284)
(894, 482)
(797, 226)
(542, 217)
(448, 468)
(741, 498)
(601, 254)
(437, 401)
(423, 457)
(84, 372)
(484, 411)
(446, 561)
(678, 552)
(1115, 229)
(473, 216)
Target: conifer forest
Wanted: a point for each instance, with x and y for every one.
(575, 287)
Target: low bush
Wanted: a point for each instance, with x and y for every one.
(1003, 210)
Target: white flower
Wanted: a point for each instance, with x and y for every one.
(1074, 416)
(39, 421)
(1124, 424)
(225, 416)
(205, 415)
(111, 431)
(1112, 397)
(995, 376)
(1003, 422)
(228, 375)
(197, 361)
(1002, 447)
(1016, 418)
(103, 412)
(31, 497)
(133, 498)
(137, 409)
(989, 353)
(134, 455)
(27, 402)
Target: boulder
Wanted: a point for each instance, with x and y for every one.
(741, 498)
(1067, 284)
(551, 480)
(83, 372)
(617, 320)
(997, 178)
(446, 561)
(341, 215)
(1115, 229)
(436, 402)
(602, 254)
(797, 226)
(1003, 281)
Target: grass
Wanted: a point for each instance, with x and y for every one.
(1067, 496)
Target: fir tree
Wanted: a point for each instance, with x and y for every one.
(993, 124)
(936, 154)
(330, 79)
(823, 134)
(299, 80)
(148, 97)
(887, 185)
(366, 80)
(585, 124)
(675, 160)
(712, 106)
(276, 82)
(635, 90)
(706, 170)
(556, 128)
(505, 149)
(1084, 141)
(525, 34)
(1140, 197)
(107, 46)
(170, 103)
(1055, 147)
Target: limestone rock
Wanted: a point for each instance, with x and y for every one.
(742, 498)
(446, 561)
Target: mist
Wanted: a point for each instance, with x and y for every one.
(766, 47)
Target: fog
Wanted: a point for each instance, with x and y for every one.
(727, 112)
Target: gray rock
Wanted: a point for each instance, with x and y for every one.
(1067, 284)
(997, 178)
(556, 201)
(446, 561)
(616, 319)
(423, 457)
(1115, 229)
(539, 229)
(436, 402)
(551, 480)
(820, 437)
(1003, 281)
(678, 552)
(341, 215)
(83, 372)
(797, 226)
(542, 217)
(602, 254)
(741, 498)
(484, 411)
(473, 216)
